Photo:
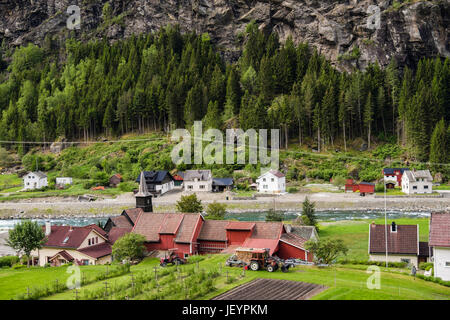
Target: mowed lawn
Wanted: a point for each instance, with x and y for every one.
(356, 233)
(14, 282)
(342, 282)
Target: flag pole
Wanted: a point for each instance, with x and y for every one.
(385, 223)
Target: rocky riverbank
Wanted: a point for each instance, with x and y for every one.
(39, 208)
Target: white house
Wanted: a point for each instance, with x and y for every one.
(158, 182)
(440, 242)
(35, 180)
(272, 181)
(198, 180)
(419, 181)
(63, 181)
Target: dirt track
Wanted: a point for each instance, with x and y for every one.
(272, 289)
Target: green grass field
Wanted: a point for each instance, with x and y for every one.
(343, 282)
(356, 233)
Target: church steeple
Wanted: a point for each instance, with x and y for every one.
(143, 197)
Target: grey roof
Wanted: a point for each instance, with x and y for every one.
(222, 181)
(39, 174)
(305, 232)
(154, 176)
(201, 175)
(419, 174)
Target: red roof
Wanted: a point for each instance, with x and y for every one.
(151, 225)
(238, 225)
(170, 224)
(121, 222)
(270, 244)
(439, 229)
(404, 241)
(97, 251)
(70, 237)
(214, 230)
(267, 230)
(133, 214)
(63, 254)
(187, 229)
(116, 232)
(177, 177)
(293, 240)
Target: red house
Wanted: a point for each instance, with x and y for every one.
(362, 187)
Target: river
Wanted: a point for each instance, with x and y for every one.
(326, 215)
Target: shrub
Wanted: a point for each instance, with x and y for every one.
(18, 266)
(8, 261)
(127, 186)
(292, 190)
(433, 279)
(425, 266)
(216, 211)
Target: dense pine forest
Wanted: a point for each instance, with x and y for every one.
(167, 80)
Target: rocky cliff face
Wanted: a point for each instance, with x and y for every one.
(380, 29)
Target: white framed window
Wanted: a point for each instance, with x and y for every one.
(272, 179)
(447, 264)
(190, 187)
(202, 186)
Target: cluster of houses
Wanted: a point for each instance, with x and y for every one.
(161, 182)
(403, 245)
(184, 233)
(411, 181)
(189, 234)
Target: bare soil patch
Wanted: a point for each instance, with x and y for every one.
(272, 289)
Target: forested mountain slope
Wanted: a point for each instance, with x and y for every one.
(169, 79)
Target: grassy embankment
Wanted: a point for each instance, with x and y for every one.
(343, 282)
(94, 163)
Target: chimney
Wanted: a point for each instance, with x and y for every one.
(48, 228)
(393, 227)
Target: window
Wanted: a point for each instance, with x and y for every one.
(406, 260)
(96, 239)
(202, 186)
(186, 255)
(425, 187)
(89, 242)
(265, 186)
(264, 179)
(85, 262)
(190, 187)
(66, 239)
(272, 179)
(414, 187)
(447, 263)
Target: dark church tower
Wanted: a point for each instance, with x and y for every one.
(143, 197)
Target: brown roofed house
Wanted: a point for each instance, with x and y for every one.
(88, 245)
(402, 243)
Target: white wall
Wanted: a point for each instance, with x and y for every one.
(196, 186)
(165, 187)
(441, 256)
(272, 184)
(32, 181)
(408, 187)
(395, 258)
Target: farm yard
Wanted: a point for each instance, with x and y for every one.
(203, 278)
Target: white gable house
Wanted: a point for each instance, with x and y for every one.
(272, 181)
(198, 180)
(419, 181)
(35, 180)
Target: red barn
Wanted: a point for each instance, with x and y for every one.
(366, 187)
(164, 231)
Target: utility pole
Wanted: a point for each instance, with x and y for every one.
(385, 222)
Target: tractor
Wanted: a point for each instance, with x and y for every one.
(172, 259)
(256, 259)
